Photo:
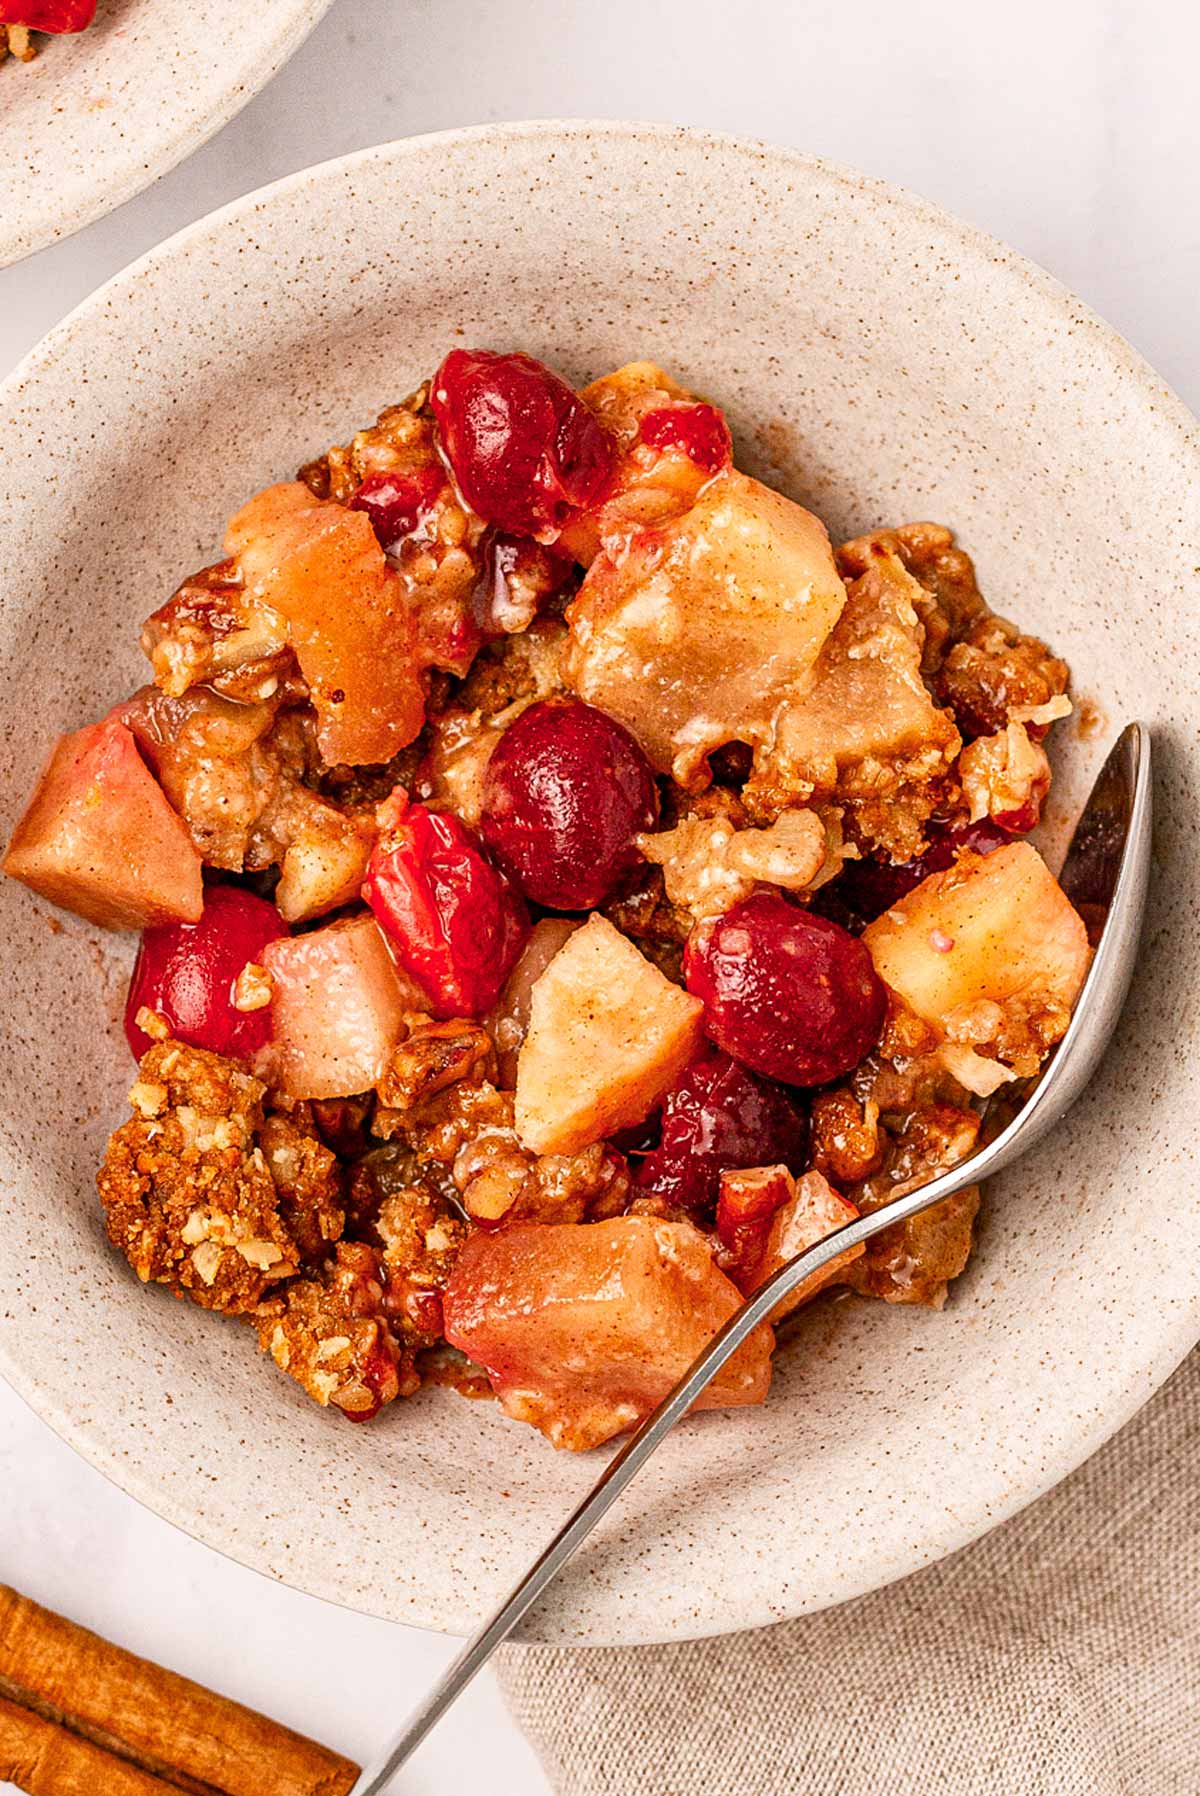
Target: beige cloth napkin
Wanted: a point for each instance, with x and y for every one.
(1058, 1656)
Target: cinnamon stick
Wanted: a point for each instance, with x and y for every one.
(81, 1717)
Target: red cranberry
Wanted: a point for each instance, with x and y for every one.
(697, 431)
(48, 15)
(792, 995)
(718, 1117)
(518, 577)
(566, 791)
(186, 972)
(524, 448)
(865, 889)
(454, 921)
(396, 503)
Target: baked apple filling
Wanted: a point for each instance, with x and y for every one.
(568, 888)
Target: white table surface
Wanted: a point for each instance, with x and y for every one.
(1066, 127)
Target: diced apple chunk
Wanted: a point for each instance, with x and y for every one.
(351, 620)
(100, 838)
(583, 1328)
(694, 631)
(339, 1007)
(865, 731)
(990, 953)
(608, 1034)
(811, 1209)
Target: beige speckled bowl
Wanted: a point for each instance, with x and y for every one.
(880, 361)
(99, 115)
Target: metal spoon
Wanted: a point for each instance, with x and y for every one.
(1105, 876)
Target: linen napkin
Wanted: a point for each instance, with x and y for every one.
(1058, 1656)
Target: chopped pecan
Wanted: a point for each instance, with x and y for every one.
(433, 1057)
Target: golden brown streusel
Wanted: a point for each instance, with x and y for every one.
(331, 1333)
(422, 1236)
(187, 1189)
(308, 1180)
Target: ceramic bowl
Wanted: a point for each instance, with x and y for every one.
(881, 362)
(98, 116)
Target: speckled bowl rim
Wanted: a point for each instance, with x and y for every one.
(1123, 1385)
(179, 134)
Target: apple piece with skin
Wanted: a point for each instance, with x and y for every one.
(692, 632)
(583, 1328)
(339, 1005)
(991, 953)
(352, 624)
(100, 838)
(608, 1034)
(799, 1213)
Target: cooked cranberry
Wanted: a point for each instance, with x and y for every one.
(396, 503)
(639, 1138)
(720, 1116)
(524, 448)
(865, 889)
(518, 577)
(566, 791)
(792, 995)
(697, 431)
(186, 972)
(454, 921)
(48, 15)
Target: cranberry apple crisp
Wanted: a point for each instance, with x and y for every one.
(21, 20)
(568, 887)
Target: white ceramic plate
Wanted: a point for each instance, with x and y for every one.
(100, 115)
(883, 363)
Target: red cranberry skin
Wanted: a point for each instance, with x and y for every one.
(720, 1117)
(792, 995)
(396, 503)
(697, 431)
(523, 447)
(186, 972)
(565, 793)
(48, 15)
(454, 921)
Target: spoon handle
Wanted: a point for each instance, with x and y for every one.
(634, 1454)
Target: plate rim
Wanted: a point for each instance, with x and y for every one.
(1130, 1385)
